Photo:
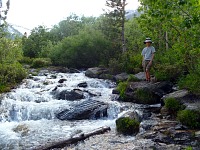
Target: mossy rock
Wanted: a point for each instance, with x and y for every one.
(127, 126)
(173, 105)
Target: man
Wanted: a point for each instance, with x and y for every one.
(148, 56)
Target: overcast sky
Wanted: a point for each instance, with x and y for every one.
(31, 13)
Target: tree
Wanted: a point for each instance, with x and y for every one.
(116, 14)
(34, 44)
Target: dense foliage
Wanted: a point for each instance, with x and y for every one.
(83, 42)
(11, 71)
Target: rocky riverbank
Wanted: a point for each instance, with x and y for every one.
(159, 129)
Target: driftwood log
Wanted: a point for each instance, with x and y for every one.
(73, 140)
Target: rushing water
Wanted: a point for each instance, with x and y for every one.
(27, 113)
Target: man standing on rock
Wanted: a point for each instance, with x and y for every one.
(148, 56)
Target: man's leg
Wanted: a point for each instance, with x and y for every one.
(148, 77)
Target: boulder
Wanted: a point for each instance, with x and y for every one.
(95, 72)
(89, 109)
(73, 70)
(62, 80)
(70, 95)
(140, 76)
(147, 93)
(121, 77)
(127, 126)
(83, 84)
(190, 100)
(133, 115)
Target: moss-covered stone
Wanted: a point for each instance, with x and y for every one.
(127, 126)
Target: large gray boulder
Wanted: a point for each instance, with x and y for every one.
(147, 93)
(190, 100)
(121, 77)
(89, 109)
(70, 95)
(94, 72)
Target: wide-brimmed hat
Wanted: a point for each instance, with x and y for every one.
(148, 40)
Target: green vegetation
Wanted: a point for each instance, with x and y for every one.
(121, 87)
(41, 62)
(190, 118)
(173, 106)
(114, 42)
(127, 126)
(189, 148)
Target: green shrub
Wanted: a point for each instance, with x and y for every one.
(115, 66)
(41, 62)
(191, 82)
(190, 118)
(167, 72)
(173, 105)
(10, 75)
(26, 60)
(189, 148)
(127, 126)
(121, 87)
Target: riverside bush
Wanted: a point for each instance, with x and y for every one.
(190, 118)
(121, 87)
(41, 62)
(127, 126)
(191, 82)
(173, 105)
(11, 74)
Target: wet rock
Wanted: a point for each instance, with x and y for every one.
(121, 77)
(83, 84)
(62, 80)
(70, 95)
(85, 110)
(73, 70)
(115, 91)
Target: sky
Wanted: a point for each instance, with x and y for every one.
(32, 13)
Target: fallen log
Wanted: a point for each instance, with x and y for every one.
(73, 140)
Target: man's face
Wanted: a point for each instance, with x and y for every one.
(148, 44)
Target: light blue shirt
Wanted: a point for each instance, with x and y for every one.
(147, 52)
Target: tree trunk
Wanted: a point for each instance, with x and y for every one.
(123, 28)
(73, 140)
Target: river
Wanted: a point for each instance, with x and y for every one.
(28, 113)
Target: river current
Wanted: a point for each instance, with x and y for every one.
(28, 113)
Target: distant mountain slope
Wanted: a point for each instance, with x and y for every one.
(132, 13)
(13, 31)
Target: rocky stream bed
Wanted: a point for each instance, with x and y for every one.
(55, 106)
